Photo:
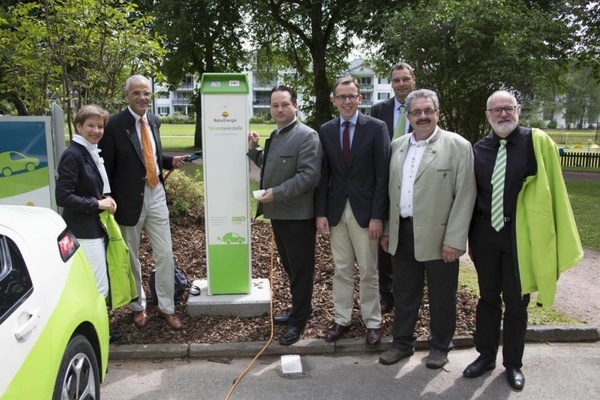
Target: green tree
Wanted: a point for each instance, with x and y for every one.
(582, 102)
(200, 36)
(312, 40)
(74, 51)
(464, 50)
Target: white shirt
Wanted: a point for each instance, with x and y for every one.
(410, 168)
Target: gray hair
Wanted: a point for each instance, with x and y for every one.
(422, 93)
(135, 78)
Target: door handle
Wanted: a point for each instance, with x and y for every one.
(29, 325)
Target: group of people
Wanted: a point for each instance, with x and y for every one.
(400, 198)
(115, 164)
(396, 195)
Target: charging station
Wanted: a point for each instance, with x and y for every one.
(226, 182)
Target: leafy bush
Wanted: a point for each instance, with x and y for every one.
(257, 120)
(185, 197)
(552, 124)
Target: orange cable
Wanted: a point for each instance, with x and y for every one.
(239, 378)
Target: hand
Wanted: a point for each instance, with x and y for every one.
(107, 203)
(179, 161)
(253, 139)
(385, 243)
(375, 228)
(267, 196)
(450, 254)
(323, 226)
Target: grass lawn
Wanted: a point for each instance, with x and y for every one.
(585, 200)
(180, 137)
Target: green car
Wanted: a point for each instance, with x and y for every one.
(54, 335)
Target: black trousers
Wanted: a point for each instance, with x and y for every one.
(409, 280)
(386, 272)
(495, 261)
(295, 240)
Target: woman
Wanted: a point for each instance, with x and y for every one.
(81, 187)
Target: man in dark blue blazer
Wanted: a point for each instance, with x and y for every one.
(402, 80)
(137, 186)
(351, 204)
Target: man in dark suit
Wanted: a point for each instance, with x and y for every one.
(134, 161)
(351, 205)
(393, 113)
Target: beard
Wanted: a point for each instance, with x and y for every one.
(503, 128)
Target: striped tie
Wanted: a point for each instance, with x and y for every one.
(498, 187)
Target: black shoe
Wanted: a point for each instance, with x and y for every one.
(114, 336)
(515, 378)
(335, 332)
(283, 319)
(478, 367)
(290, 336)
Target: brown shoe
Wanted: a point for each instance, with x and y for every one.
(335, 332)
(373, 336)
(171, 319)
(140, 318)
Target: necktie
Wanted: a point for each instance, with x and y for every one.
(498, 187)
(346, 142)
(151, 175)
(401, 125)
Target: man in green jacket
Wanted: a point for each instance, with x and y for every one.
(521, 204)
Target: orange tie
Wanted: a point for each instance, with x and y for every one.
(151, 175)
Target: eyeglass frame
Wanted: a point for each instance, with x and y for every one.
(344, 97)
(509, 110)
(417, 113)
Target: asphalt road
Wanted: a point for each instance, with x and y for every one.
(552, 371)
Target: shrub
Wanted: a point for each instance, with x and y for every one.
(552, 124)
(185, 197)
(257, 120)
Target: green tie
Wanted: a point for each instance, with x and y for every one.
(401, 125)
(498, 187)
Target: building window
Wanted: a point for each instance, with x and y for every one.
(383, 81)
(164, 111)
(383, 96)
(364, 80)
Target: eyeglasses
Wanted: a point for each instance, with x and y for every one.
(344, 97)
(417, 113)
(510, 110)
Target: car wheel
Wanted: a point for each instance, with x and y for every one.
(79, 372)
(228, 241)
(30, 167)
(7, 172)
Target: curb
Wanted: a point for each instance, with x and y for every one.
(534, 334)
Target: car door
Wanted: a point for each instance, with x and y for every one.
(22, 316)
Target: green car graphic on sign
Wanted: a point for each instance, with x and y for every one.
(13, 161)
(231, 237)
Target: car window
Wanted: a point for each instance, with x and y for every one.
(15, 282)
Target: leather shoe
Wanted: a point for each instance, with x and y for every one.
(283, 319)
(515, 378)
(140, 318)
(393, 355)
(335, 332)
(478, 367)
(171, 319)
(386, 303)
(373, 336)
(290, 336)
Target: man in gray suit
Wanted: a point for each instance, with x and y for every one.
(291, 169)
(393, 113)
(351, 206)
(432, 194)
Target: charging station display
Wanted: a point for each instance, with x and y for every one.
(226, 182)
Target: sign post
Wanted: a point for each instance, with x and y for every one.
(226, 182)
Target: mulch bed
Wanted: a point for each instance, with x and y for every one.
(190, 255)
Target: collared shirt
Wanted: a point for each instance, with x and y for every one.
(520, 163)
(397, 105)
(351, 127)
(286, 125)
(138, 128)
(414, 154)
